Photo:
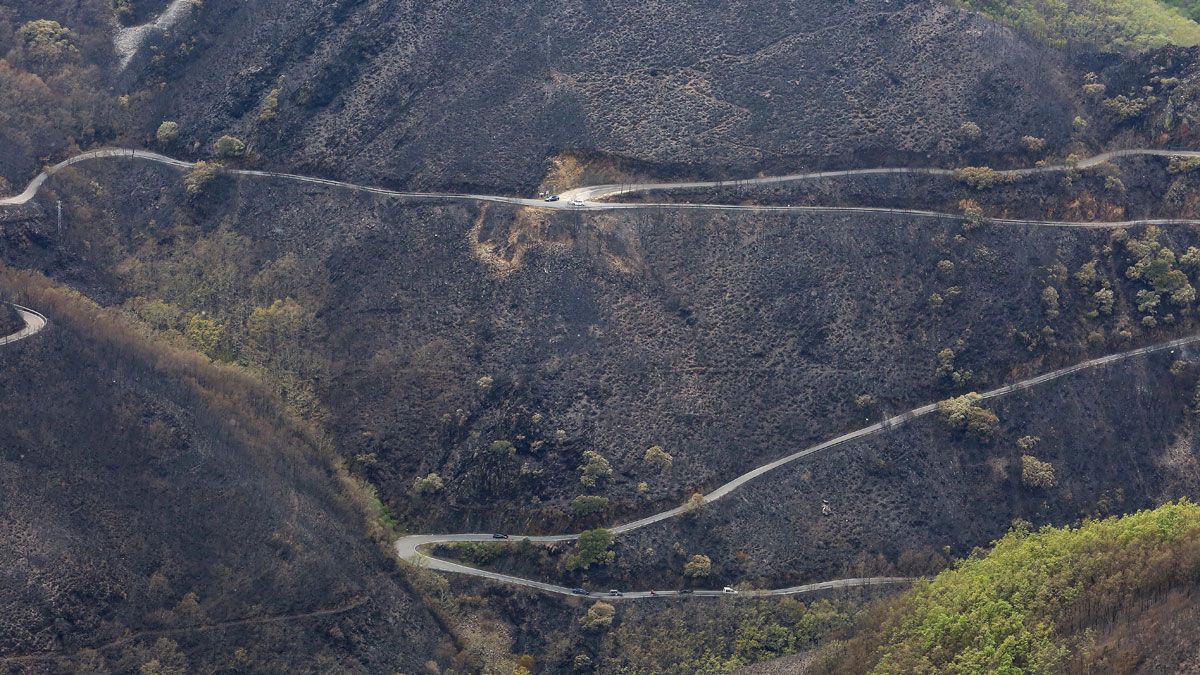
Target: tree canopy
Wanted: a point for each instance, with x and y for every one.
(1106, 25)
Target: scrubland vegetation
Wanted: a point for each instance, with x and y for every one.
(682, 640)
(1189, 8)
(1039, 601)
(52, 94)
(1109, 25)
(455, 391)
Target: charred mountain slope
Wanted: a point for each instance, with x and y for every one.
(453, 94)
(147, 495)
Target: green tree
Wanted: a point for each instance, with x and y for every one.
(1105, 25)
(973, 212)
(44, 44)
(594, 468)
(230, 147)
(591, 549)
(1033, 143)
(204, 333)
(1103, 300)
(158, 314)
(586, 505)
(964, 414)
(1050, 302)
(981, 177)
(270, 106)
(658, 458)
(1030, 603)
(428, 485)
(600, 615)
(946, 371)
(698, 566)
(1087, 276)
(200, 177)
(278, 333)
(502, 448)
(1036, 473)
(167, 133)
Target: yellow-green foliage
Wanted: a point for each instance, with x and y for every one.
(599, 615)
(1107, 25)
(1022, 607)
(982, 177)
(592, 549)
(963, 413)
(199, 176)
(208, 288)
(717, 638)
(47, 43)
(1183, 164)
(1190, 8)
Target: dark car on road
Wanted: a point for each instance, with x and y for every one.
(579, 591)
(499, 535)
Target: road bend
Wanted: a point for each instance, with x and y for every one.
(410, 548)
(588, 198)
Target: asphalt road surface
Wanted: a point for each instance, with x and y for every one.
(586, 198)
(409, 548)
(34, 323)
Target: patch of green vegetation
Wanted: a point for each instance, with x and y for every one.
(208, 289)
(1189, 8)
(592, 549)
(1106, 25)
(1029, 602)
(964, 414)
(720, 639)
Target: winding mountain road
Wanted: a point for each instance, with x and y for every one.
(409, 548)
(35, 322)
(586, 198)
(595, 192)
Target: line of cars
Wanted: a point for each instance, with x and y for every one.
(615, 593)
(553, 198)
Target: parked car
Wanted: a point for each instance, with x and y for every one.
(728, 589)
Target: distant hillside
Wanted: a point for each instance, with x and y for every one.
(157, 511)
(458, 96)
(1117, 595)
(1107, 25)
